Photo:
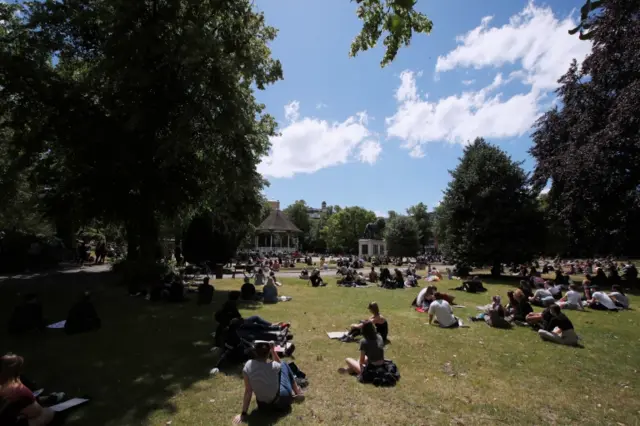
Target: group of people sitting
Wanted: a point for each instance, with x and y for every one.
(28, 316)
(314, 277)
(269, 285)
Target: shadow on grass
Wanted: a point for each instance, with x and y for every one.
(145, 354)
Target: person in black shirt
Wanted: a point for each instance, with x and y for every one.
(82, 316)
(558, 329)
(205, 292)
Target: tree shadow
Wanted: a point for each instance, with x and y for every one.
(143, 356)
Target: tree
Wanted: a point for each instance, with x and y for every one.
(422, 218)
(402, 236)
(166, 86)
(590, 148)
(391, 214)
(345, 228)
(396, 18)
(490, 214)
(587, 17)
(299, 215)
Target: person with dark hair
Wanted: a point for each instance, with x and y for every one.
(558, 329)
(371, 367)
(472, 286)
(601, 279)
(27, 316)
(82, 316)
(443, 312)
(205, 292)
(373, 275)
(248, 290)
(376, 319)
(271, 380)
(18, 404)
(572, 299)
(315, 279)
(619, 298)
(601, 301)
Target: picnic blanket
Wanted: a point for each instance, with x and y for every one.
(336, 334)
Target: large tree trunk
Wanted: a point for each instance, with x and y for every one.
(496, 269)
(148, 227)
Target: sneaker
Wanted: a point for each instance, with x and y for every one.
(298, 398)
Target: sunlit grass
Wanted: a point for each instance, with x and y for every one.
(150, 362)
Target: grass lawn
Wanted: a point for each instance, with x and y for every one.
(149, 364)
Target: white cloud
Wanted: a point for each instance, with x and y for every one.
(321, 105)
(468, 82)
(534, 40)
(546, 189)
(379, 213)
(309, 144)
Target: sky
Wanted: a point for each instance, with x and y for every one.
(354, 134)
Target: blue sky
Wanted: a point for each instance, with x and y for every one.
(353, 133)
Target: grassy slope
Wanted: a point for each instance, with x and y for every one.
(149, 364)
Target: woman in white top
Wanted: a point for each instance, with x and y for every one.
(572, 299)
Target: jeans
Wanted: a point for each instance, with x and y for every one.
(257, 323)
(284, 399)
(568, 337)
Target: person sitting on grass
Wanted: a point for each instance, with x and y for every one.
(559, 328)
(315, 279)
(271, 380)
(304, 274)
(555, 290)
(425, 297)
(371, 367)
(494, 315)
(601, 301)
(275, 281)
(519, 307)
(27, 316)
(619, 298)
(260, 278)
(443, 313)
(18, 405)
(373, 275)
(380, 322)
(539, 320)
(82, 316)
(248, 290)
(542, 297)
(270, 291)
(572, 299)
(205, 292)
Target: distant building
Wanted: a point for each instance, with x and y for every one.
(275, 205)
(314, 213)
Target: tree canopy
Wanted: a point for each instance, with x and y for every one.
(490, 214)
(421, 216)
(590, 148)
(345, 228)
(402, 236)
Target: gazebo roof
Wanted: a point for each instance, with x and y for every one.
(277, 221)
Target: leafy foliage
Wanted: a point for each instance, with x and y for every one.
(298, 214)
(587, 15)
(590, 148)
(396, 19)
(422, 218)
(344, 228)
(402, 235)
(490, 214)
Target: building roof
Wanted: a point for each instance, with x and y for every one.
(277, 221)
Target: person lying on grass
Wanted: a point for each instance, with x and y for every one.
(443, 313)
(380, 323)
(559, 329)
(271, 380)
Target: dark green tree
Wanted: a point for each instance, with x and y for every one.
(344, 228)
(588, 12)
(490, 214)
(402, 236)
(299, 215)
(589, 149)
(422, 218)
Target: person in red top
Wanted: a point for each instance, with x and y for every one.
(14, 394)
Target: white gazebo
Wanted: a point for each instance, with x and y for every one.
(277, 234)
